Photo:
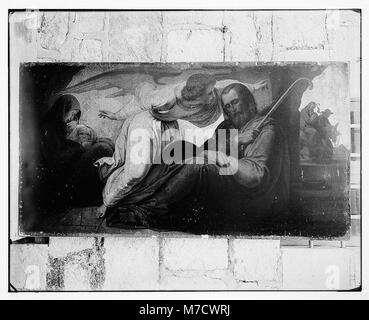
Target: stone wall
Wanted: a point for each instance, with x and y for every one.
(168, 262)
(181, 263)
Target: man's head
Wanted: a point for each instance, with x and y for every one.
(84, 135)
(196, 102)
(327, 113)
(199, 89)
(238, 104)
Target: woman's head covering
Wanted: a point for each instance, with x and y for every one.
(55, 115)
(62, 105)
(188, 103)
(196, 86)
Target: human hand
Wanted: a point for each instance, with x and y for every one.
(222, 159)
(107, 114)
(216, 157)
(247, 137)
(101, 211)
(71, 126)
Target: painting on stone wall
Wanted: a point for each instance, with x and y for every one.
(254, 149)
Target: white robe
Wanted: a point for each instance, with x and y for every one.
(133, 156)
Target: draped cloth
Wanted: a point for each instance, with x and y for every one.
(200, 115)
(196, 198)
(195, 123)
(147, 137)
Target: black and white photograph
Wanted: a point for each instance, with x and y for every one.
(233, 148)
(162, 150)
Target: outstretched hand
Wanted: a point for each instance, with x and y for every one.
(107, 114)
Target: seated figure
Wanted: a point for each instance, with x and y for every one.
(197, 197)
(193, 113)
(68, 151)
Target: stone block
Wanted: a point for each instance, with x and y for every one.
(61, 247)
(135, 37)
(131, 263)
(90, 22)
(76, 275)
(195, 253)
(91, 51)
(256, 260)
(192, 280)
(53, 29)
(317, 269)
(304, 30)
(201, 19)
(195, 45)
(28, 266)
(249, 36)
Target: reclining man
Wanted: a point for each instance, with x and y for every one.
(197, 198)
(192, 113)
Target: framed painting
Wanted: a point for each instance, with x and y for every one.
(256, 149)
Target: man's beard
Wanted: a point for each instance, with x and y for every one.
(238, 118)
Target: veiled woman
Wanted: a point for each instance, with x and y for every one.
(69, 177)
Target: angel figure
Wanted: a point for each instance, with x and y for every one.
(187, 105)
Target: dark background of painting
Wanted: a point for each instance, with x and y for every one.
(314, 212)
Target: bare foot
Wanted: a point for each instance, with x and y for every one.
(101, 211)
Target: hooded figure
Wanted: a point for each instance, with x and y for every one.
(57, 151)
(322, 147)
(69, 176)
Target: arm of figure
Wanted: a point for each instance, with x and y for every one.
(122, 181)
(247, 137)
(104, 114)
(255, 169)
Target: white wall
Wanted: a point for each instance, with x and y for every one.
(168, 262)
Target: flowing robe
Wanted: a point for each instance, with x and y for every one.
(195, 197)
(124, 169)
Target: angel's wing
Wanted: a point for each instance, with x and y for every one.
(127, 79)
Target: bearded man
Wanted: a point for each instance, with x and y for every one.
(192, 114)
(256, 188)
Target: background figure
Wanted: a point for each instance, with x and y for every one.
(68, 175)
(322, 146)
(316, 133)
(307, 131)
